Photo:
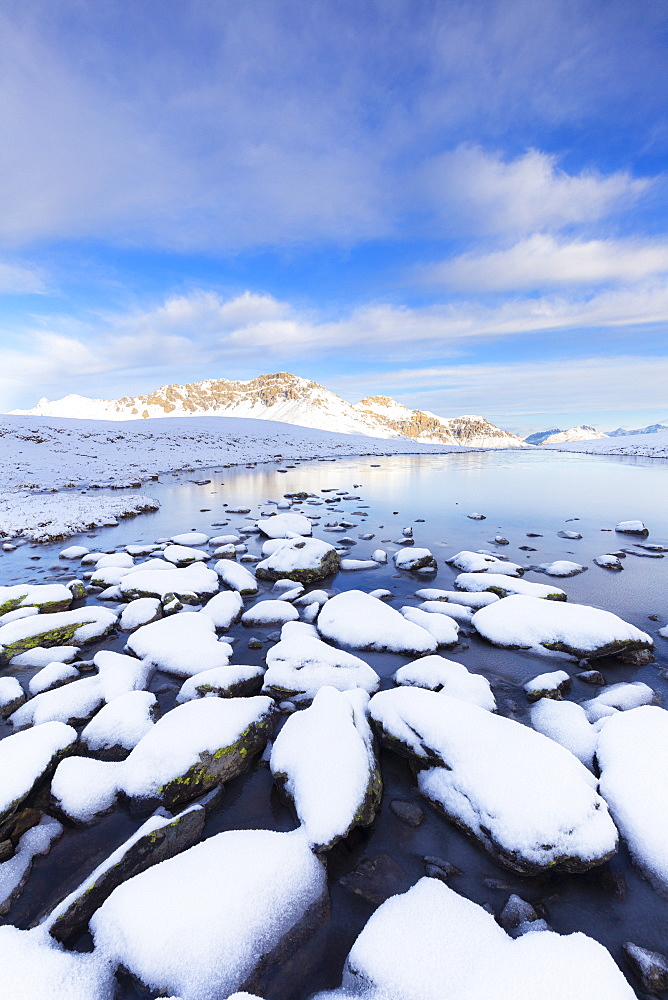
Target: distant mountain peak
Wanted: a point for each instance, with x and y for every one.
(582, 433)
(287, 398)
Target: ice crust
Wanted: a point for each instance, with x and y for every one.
(326, 759)
(525, 798)
(356, 619)
(207, 945)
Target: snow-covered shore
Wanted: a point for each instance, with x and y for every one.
(641, 445)
(48, 461)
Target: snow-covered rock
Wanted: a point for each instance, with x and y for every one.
(170, 931)
(74, 702)
(444, 629)
(618, 698)
(270, 612)
(503, 586)
(524, 798)
(562, 567)
(51, 676)
(352, 565)
(156, 840)
(632, 528)
(189, 584)
(472, 600)
(432, 943)
(324, 761)
(234, 681)
(306, 560)
(236, 577)
(301, 663)
(14, 872)
(182, 644)
(414, 559)
(141, 611)
(439, 674)
(577, 630)
(25, 758)
(224, 609)
(356, 619)
(608, 561)
(551, 685)
(191, 749)
(190, 538)
(566, 723)
(12, 695)
(121, 724)
(483, 562)
(33, 965)
(183, 555)
(284, 525)
(43, 656)
(46, 597)
(631, 754)
(80, 626)
(459, 612)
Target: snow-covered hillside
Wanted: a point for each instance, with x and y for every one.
(286, 398)
(582, 433)
(42, 454)
(654, 445)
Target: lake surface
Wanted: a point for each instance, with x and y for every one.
(518, 492)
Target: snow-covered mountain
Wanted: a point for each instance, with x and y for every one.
(650, 429)
(556, 436)
(289, 399)
(423, 425)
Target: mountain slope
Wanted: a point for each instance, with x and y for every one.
(650, 429)
(423, 425)
(289, 399)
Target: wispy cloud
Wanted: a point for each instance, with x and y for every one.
(542, 261)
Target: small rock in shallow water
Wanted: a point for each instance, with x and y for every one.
(515, 913)
(651, 967)
(375, 879)
(591, 677)
(408, 812)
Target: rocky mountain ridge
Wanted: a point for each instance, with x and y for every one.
(290, 399)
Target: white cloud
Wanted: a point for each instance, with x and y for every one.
(483, 192)
(203, 330)
(543, 261)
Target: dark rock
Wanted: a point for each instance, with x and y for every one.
(591, 677)
(439, 868)
(376, 879)
(408, 812)
(255, 643)
(527, 548)
(651, 967)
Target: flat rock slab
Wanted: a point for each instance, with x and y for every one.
(489, 775)
(504, 586)
(188, 584)
(159, 838)
(520, 622)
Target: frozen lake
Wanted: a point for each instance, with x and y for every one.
(520, 493)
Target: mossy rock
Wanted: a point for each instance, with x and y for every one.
(501, 592)
(328, 565)
(618, 647)
(219, 767)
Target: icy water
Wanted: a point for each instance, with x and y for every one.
(518, 493)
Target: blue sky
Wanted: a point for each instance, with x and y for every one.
(459, 203)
